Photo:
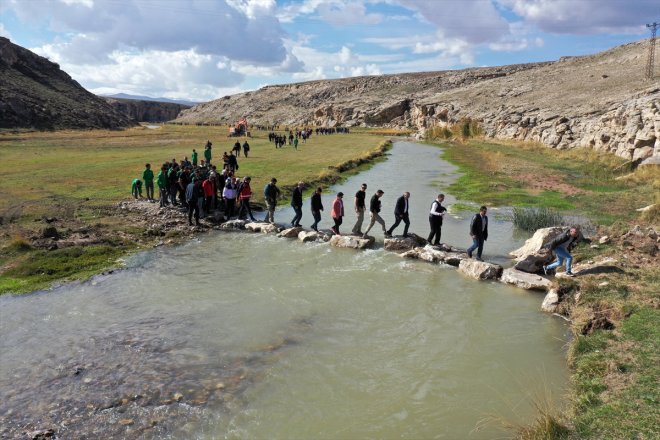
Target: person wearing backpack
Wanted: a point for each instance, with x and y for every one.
(271, 193)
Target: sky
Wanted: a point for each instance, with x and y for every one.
(201, 50)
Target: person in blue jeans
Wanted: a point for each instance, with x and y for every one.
(478, 232)
(562, 246)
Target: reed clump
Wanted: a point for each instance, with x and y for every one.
(531, 219)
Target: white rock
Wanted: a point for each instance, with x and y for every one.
(604, 239)
(233, 224)
(533, 245)
(525, 280)
(351, 241)
(551, 301)
(290, 233)
(305, 236)
(480, 270)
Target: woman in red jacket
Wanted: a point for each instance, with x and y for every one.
(337, 212)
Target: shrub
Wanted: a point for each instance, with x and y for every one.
(531, 219)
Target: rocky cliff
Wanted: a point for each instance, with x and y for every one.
(600, 101)
(36, 93)
(146, 111)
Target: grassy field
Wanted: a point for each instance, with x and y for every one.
(77, 177)
(508, 174)
(615, 369)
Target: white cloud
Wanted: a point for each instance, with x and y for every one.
(241, 30)
(519, 38)
(334, 12)
(179, 74)
(473, 21)
(4, 32)
(586, 16)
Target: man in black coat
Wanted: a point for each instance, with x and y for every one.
(478, 232)
(297, 203)
(562, 245)
(401, 213)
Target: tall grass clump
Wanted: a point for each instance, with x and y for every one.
(467, 128)
(531, 219)
(439, 132)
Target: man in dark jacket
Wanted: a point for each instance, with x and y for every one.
(317, 207)
(296, 203)
(374, 209)
(271, 193)
(478, 232)
(401, 213)
(562, 246)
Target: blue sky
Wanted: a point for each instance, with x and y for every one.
(205, 49)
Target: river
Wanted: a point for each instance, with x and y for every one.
(236, 335)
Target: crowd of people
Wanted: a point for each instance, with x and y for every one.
(203, 188)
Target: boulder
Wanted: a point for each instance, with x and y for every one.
(403, 244)
(533, 245)
(480, 270)
(305, 236)
(455, 258)
(50, 232)
(533, 263)
(430, 254)
(351, 241)
(270, 228)
(551, 301)
(290, 233)
(525, 280)
(233, 224)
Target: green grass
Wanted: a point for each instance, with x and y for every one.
(508, 174)
(78, 176)
(40, 268)
(531, 219)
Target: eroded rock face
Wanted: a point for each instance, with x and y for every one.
(480, 270)
(525, 280)
(351, 241)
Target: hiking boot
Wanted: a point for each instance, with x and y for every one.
(569, 274)
(365, 236)
(388, 234)
(469, 254)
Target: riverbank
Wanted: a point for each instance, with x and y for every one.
(60, 203)
(615, 317)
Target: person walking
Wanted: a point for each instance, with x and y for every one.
(337, 212)
(436, 214)
(271, 193)
(246, 148)
(297, 203)
(244, 196)
(562, 245)
(478, 232)
(374, 209)
(317, 207)
(173, 182)
(401, 213)
(148, 177)
(208, 185)
(161, 180)
(360, 207)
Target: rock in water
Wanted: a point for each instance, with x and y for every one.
(291, 232)
(305, 236)
(480, 270)
(403, 244)
(525, 280)
(351, 241)
(551, 301)
(233, 224)
(534, 245)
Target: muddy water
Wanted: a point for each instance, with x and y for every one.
(250, 336)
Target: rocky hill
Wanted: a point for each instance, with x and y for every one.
(600, 101)
(36, 93)
(146, 111)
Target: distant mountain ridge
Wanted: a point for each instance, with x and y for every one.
(146, 111)
(36, 94)
(148, 98)
(600, 101)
